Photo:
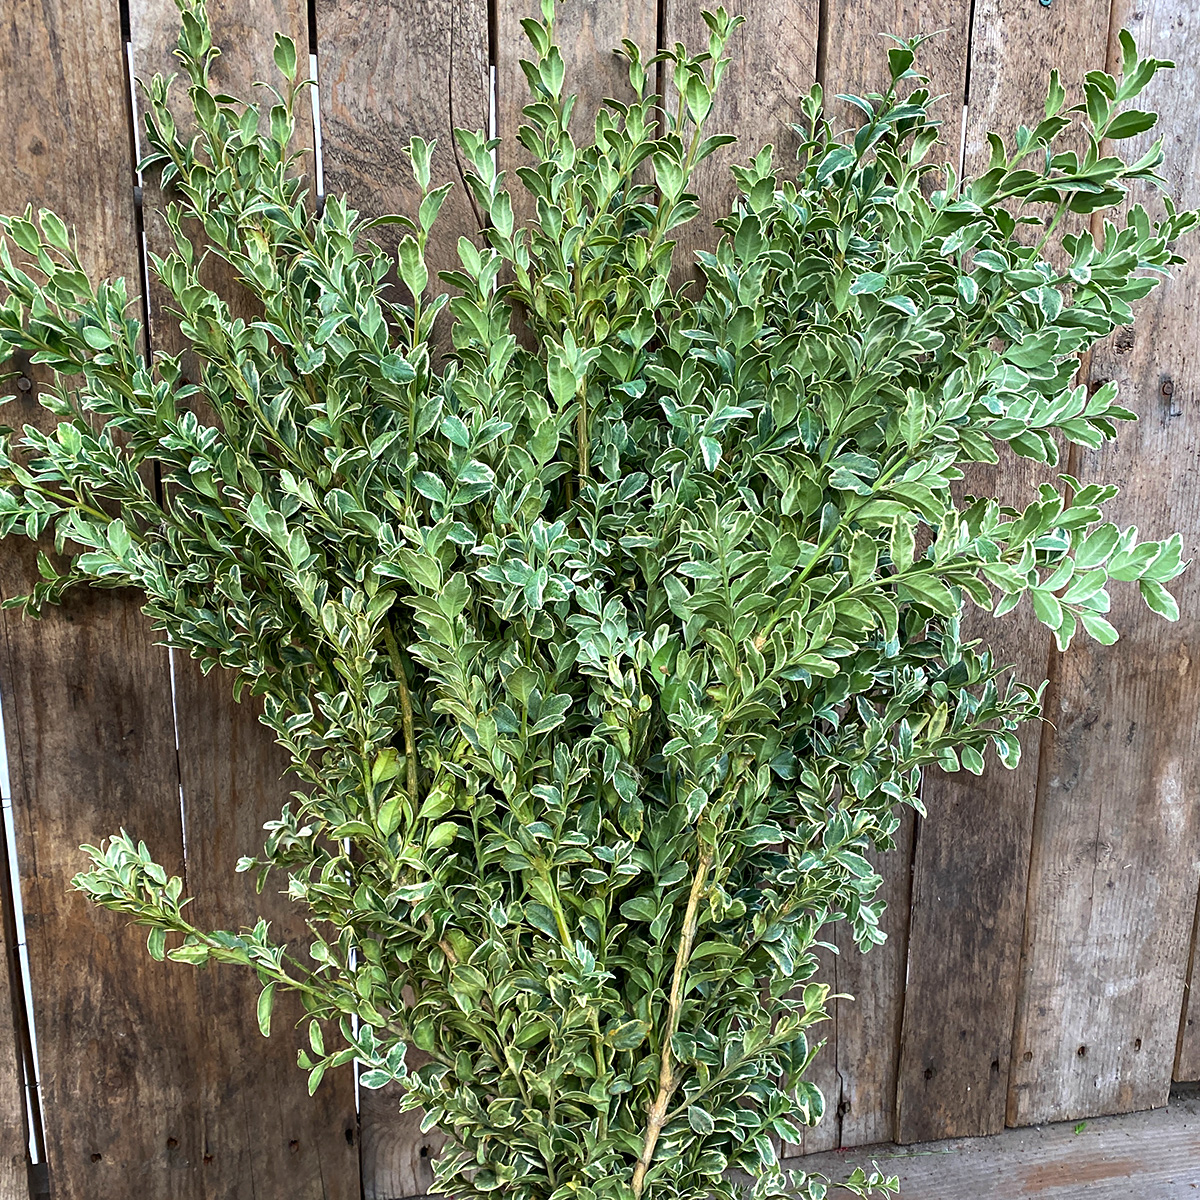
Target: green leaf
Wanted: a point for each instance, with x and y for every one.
(927, 589)
(700, 1120)
(989, 260)
(97, 338)
(627, 1036)
(1056, 95)
(912, 423)
(1047, 608)
(900, 58)
(54, 231)
(1097, 626)
(1097, 546)
(266, 1002)
(431, 206)
(285, 56)
(810, 1103)
(412, 265)
(902, 546)
(390, 812)
(1034, 350)
(867, 283)
(1130, 123)
(1158, 599)
(561, 379)
(864, 553)
(156, 943)
(441, 835)
(640, 908)
(396, 369)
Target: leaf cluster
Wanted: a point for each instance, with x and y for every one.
(607, 645)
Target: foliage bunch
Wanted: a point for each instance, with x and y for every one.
(605, 655)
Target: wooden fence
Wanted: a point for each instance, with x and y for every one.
(1041, 922)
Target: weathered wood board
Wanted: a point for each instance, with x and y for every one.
(231, 773)
(14, 1130)
(397, 1158)
(90, 710)
(1114, 871)
(1147, 1156)
(773, 64)
(87, 693)
(233, 780)
(856, 1070)
(390, 72)
(1187, 1043)
(972, 856)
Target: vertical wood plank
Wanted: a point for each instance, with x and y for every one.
(827, 1133)
(868, 1028)
(1187, 1042)
(294, 1145)
(391, 71)
(233, 775)
(773, 64)
(855, 55)
(397, 1157)
(1114, 869)
(972, 854)
(388, 72)
(587, 33)
(14, 1131)
(856, 1071)
(87, 692)
(968, 910)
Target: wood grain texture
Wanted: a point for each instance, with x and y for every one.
(1114, 870)
(972, 855)
(14, 1131)
(391, 71)
(968, 908)
(87, 695)
(1014, 46)
(64, 129)
(233, 778)
(773, 64)
(86, 691)
(397, 1157)
(1141, 1156)
(1187, 1042)
(856, 1071)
